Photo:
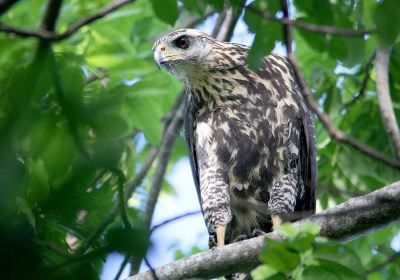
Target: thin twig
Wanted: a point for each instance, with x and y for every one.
(197, 20)
(153, 272)
(121, 200)
(52, 36)
(329, 30)
(334, 133)
(122, 266)
(368, 67)
(81, 258)
(385, 101)
(164, 223)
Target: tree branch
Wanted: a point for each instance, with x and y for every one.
(368, 67)
(52, 36)
(385, 101)
(334, 133)
(344, 221)
(329, 30)
(166, 222)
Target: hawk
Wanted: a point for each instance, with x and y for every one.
(250, 136)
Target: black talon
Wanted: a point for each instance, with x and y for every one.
(240, 238)
(258, 232)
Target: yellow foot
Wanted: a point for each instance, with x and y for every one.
(276, 221)
(221, 235)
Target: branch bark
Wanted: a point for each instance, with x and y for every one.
(385, 101)
(345, 221)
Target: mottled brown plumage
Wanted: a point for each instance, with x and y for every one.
(250, 135)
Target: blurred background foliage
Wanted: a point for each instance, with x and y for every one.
(79, 117)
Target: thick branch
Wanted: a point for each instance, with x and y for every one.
(329, 30)
(344, 221)
(385, 101)
(44, 34)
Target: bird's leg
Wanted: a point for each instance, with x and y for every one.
(276, 221)
(220, 230)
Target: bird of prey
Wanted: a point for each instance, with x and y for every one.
(250, 136)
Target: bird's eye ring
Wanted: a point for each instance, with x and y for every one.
(182, 42)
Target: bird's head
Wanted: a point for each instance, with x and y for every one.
(185, 52)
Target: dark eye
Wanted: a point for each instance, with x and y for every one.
(182, 42)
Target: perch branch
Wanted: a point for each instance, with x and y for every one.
(344, 221)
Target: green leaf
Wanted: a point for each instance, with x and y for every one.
(38, 186)
(111, 126)
(276, 255)
(311, 228)
(288, 230)
(262, 272)
(166, 10)
(302, 242)
(314, 272)
(340, 259)
(194, 6)
(387, 20)
(267, 34)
